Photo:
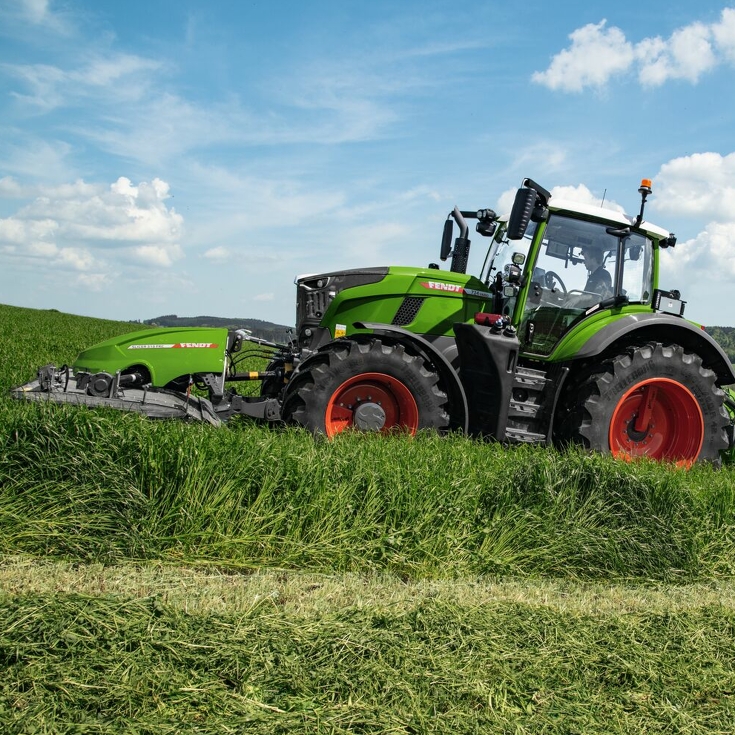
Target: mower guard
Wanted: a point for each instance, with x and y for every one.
(53, 385)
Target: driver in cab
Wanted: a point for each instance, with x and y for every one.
(598, 279)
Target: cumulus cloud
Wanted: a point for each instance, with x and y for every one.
(702, 186)
(85, 227)
(583, 195)
(597, 53)
(724, 34)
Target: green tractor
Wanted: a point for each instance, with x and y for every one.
(564, 337)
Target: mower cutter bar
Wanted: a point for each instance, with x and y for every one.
(152, 402)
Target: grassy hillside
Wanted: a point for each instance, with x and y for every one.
(35, 337)
(161, 577)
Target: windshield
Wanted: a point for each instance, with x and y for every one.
(575, 269)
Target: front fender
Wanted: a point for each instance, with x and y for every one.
(449, 376)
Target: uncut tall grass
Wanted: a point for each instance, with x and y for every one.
(99, 485)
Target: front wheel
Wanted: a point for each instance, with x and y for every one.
(654, 401)
(369, 386)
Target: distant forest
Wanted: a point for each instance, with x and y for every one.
(258, 327)
(725, 337)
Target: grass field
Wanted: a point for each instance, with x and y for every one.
(161, 577)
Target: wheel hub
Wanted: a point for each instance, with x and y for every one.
(369, 417)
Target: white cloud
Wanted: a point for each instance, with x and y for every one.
(10, 188)
(686, 55)
(31, 159)
(93, 281)
(39, 15)
(84, 227)
(724, 34)
(160, 255)
(583, 195)
(597, 54)
(77, 258)
(264, 297)
(217, 255)
(579, 193)
(111, 78)
(702, 186)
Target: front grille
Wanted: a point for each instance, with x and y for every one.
(311, 305)
(407, 311)
(317, 303)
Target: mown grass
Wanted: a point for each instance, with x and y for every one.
(446, 640)
(389, 658)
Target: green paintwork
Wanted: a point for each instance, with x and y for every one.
(446, 301)
(575, 339)
(166, 353)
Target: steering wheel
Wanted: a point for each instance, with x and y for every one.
(549, 278)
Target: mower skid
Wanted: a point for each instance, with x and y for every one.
(151, 402)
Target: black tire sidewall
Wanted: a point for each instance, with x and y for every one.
(335, 366)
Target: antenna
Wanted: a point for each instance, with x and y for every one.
(604, 194)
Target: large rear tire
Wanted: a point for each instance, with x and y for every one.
(654, 401)
(369, 386)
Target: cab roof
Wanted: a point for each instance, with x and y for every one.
(587, 211)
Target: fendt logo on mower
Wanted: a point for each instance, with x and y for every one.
(178, 345)
(454, 288)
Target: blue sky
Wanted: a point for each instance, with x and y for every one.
(173, 156)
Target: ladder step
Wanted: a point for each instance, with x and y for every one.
(523, 409)
(525, 437)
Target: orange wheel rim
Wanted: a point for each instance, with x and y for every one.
(658, 418)
(385, 399)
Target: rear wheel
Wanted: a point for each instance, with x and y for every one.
(654, 401)
(369, 386)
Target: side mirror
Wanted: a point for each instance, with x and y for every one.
(446, 247)
(520, 215)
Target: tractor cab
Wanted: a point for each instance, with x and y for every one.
(567, 262)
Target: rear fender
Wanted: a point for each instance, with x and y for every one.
(656, 327)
